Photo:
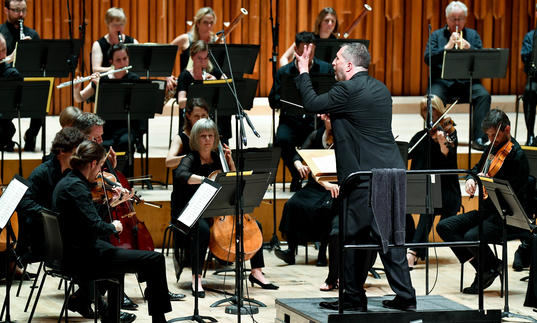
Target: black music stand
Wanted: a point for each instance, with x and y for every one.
(512, 213)
(152, 59)
(265, 160)
(474, 64)
(24, 99)
(127, 100)
(47, 58)
(253, 188)
(242, 58)
(9, 201)
(326, 49)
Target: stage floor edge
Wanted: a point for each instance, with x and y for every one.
(431, 308)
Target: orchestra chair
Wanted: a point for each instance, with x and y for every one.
(54, 266)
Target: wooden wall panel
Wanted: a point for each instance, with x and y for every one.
(397, 30)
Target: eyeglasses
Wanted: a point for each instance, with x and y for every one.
(452, 19)
(16, 10)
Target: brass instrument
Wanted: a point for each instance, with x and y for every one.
(458, 44)
(367, 8)
(233, 24)
(87, 78)
(21, 29)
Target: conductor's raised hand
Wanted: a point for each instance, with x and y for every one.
(303, 61)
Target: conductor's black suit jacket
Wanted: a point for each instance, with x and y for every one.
(361, 114)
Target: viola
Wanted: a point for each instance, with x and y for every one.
(222, 241)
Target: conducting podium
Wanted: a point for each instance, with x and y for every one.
(25, 98)
(128, 100)
(151, 60)
(474, 64)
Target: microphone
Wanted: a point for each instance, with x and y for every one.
(220, 32)
(120, 37)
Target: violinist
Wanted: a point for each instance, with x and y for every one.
(81, 226)
(508, 163)
(193, 169)
(441, 145)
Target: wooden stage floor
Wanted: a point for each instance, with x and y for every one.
(296, 281)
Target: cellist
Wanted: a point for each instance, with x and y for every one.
(193, 169)
(503, 159)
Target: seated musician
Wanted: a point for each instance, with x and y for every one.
(7, 129)
(464, 227)
(294, 129)
(456, 36)
(196, 109)
(116, 133)
(115, 20)
(68, 116)
(199, 68)
(81, 225)
(443, 155)
(307, 215)
(193, 169)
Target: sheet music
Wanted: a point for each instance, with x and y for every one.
(10, 199)
(197, 204)
(326, 164)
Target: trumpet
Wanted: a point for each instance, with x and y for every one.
(458, 44)
(21, 29)
(87, 78)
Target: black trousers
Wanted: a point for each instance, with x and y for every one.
(423, 229)
(480, 100)
(530, 101)
(361, 229)
(149, 265)
(531, 292)
(464, 227)
(290, 134)
(257, 261)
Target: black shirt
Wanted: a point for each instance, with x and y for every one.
(12, 35)
(7, 71)
(185, 79)
(80, 222)
(190, 165)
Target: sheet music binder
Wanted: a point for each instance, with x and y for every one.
(199, 202)
(11, 198)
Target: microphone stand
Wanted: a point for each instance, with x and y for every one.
(82, 29)
(238, 306)
(275, 26)
(72, 59)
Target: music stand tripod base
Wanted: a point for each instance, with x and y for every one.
(244, 310)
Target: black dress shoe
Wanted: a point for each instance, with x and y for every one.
(254, 280)
(286, 255)
(128, 304)
(201, 293)
(399, 303)
(478, 144)
(126, 317)
(176, 297)
(81, 307)
(530, 141)
(488, 278)
(347, 306)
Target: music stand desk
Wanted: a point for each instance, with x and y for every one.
(47, 57)
(242, 58)
(152, 59)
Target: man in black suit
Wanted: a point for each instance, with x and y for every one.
(293, 128)
(360, 109)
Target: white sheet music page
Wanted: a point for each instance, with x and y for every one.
(326, 164)
(10, 199)
(199, 201)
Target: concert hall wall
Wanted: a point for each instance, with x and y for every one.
(397, 30)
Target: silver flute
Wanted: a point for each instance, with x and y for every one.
(21, 29)
(87, 78)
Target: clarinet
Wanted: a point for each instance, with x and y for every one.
(21, 29)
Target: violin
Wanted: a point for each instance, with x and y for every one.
(447, 126)
(493, 165)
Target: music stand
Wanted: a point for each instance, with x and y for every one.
(473, 64)
(127, 100)
(25, 99)
(242, 58)
(152, 59)
(188, 219)
(47, 58)
(8, 203)
(512, 213)
(326, 49)
(254, 186)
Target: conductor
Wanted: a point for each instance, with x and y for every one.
(360, 109)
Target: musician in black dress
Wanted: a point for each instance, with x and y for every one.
(442, 150)
(7, 128)
(193, 169)
(308, 214)
(115, 20)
